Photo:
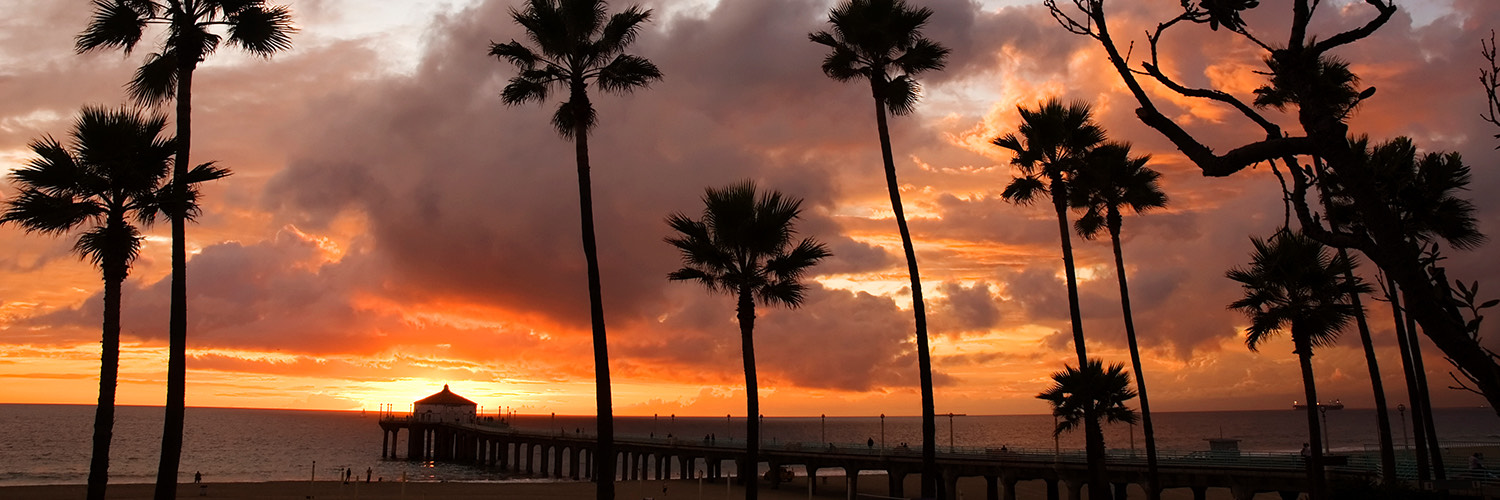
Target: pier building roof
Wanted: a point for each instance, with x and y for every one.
(446, 398)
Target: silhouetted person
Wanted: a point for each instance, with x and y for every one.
(871, 443)
(197, 477)
(369, 471)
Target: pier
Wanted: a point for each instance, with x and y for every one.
(571, 455)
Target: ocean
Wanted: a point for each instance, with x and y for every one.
(50, 444)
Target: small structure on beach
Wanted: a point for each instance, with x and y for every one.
(446, 407)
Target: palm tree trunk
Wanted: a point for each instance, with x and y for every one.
(931, 484)
(605, 459)
(175, 412)
(746, 312)
(1419, 431)
(1093, 436)
(1382, 418)
(1424, 391)
(1153, 482)
(1314, 437)
(109, 374)
(1059, 190)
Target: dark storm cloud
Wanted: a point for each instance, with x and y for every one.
(470, 204)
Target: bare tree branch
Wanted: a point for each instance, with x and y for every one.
(1386, 10)
(1490, 81)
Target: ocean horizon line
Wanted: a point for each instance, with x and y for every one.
(740, 416)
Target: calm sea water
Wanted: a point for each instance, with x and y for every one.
(50, 444)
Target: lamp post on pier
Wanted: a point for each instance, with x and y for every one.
(882, 433)
(823, 428)
(950, 416)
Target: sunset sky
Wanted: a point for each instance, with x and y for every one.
(391, 226)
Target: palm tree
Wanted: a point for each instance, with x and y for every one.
(112, 173)
(577, 42)
(1293, 284)
(743, 246)
(259, 29)
(1422, 191)
(1110, 178)
(1051, 146)
(881, 41)
(1091, 394)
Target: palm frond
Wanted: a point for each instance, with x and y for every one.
(924, 55)
(573, 118)
(515, 53)
(38, 212)
(841, 63)
(627, 73)
(116, 24)
(787, 293)
(533, 85)
(621, 31)
(52, 171)
(1091, 223)
(205, 172)
(115, 241)
(155, 81)
(901, 95)
(259, 29)
(229, 7)
(792, 265)
(1024, 190)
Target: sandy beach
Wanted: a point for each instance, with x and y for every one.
(871, 487)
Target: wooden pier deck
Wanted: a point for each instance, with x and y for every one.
(563, 455)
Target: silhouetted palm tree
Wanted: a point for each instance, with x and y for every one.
(1091, 396)
(252, 25)
(1050, 148)
(742, 246)
(1422, 190)
(1294, 284)
(1110, 178)
(577, 42)
(112, 173)
(881, 41)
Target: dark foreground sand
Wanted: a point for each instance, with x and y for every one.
(875, 486)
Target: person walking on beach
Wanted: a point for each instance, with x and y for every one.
(369, 471)
(198, 477)
(870, 442)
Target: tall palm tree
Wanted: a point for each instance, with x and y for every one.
(111, 174)
(1294, 284)
(742, 246)
(1372, 363)
(1091, 394)
(577, 42)
(881, 41)
(1110, 178)
(191, 26)
(1051, 145)
(1422, 190)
